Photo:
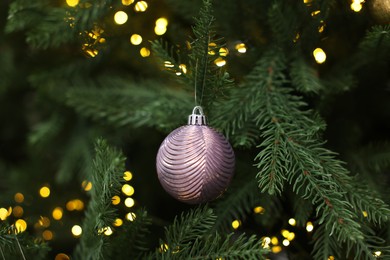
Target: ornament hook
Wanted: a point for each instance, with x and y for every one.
(197, 119)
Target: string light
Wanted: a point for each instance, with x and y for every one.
(127, 189)
(145, 52)
(286, 242)
(19, 197)
(47, 235)
(168, 64)
(44, 192)
(141, 6)
(307, 2)
(76, 230)
(259, 210)
(20, 225)
(120, 17)
(377, 253)
(319, 55)
(236, 224)
(127, 2)
(331, 257)
(309, 227)
(57, 213)
(292, 222)
(72, 3)
(127, 175)
(212, 46)
(365, 214)
(136, 39)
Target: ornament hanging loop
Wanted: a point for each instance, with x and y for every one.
(197, 119)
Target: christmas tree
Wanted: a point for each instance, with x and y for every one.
(90, 89)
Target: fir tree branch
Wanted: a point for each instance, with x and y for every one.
(190, 238)
(108, 168)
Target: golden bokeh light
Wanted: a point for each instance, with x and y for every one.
(127, 2)
(276, 249)
(286, 242)
(309, 226)
(220, 62)
(87, 185)
(75, 204)
(62, 256)
(259, 210)
(127, 175)
(120, 17)
(19, 197)
(21, 225)
(331, 257)
(162, 22)
(183, 68)
(292, 222)
(266, 241)
(47, 235)
(377, 253)
(118, 222)
(18, 211)
(129, 202)
(44, 221)
(108, 231)
(223, 52)
(136, 39)
(319, 55)
(365, 214)
(3, 213)
(241, 47)
(57, 213)
(236, 224)
(314, 13)
(141, 6)
(357, 5)
(145, 52)
(127, 189)
(131, 216)
(158, 30)
(275, 241)
(115, 200)
(76, 231)
(72, 3)
(44, 192)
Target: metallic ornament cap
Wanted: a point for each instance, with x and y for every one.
(195, 119)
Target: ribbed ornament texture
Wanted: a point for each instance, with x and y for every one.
(195, 164)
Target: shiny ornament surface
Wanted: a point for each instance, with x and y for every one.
(380, 10)
(195, 163)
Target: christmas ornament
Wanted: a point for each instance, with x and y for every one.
(195, 163)
(380, 10)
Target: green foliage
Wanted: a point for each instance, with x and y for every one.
(130, 240)
(190, 238)
(17, 245)
(108, 168)
(147, 103)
